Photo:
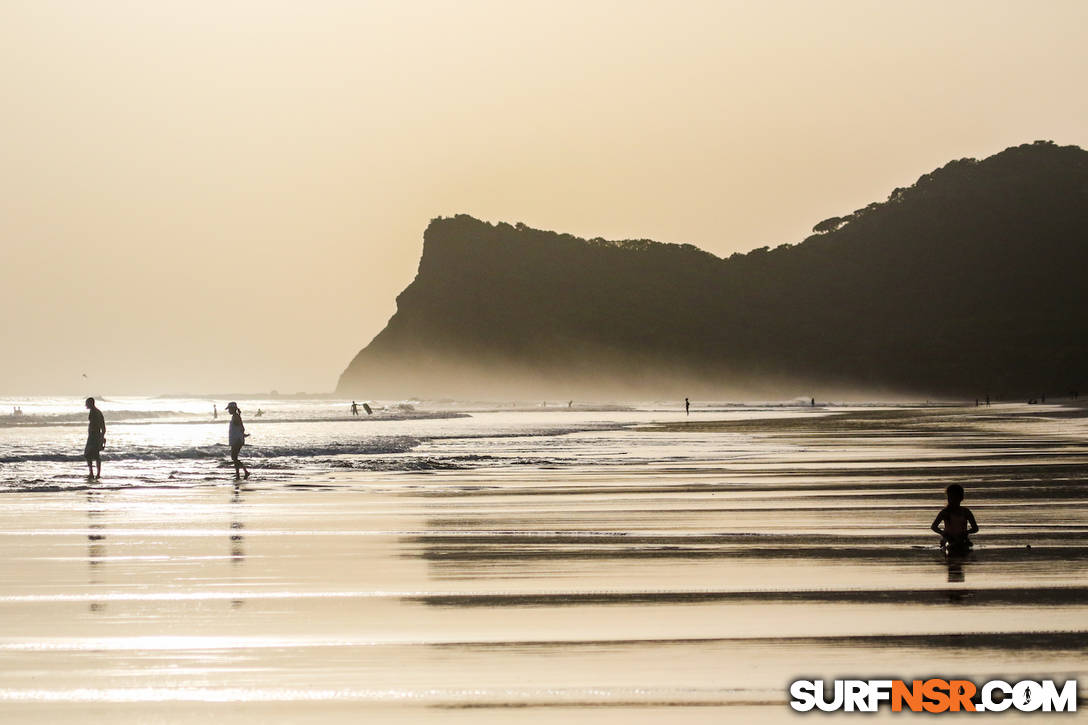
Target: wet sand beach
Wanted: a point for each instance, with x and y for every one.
(691, 586)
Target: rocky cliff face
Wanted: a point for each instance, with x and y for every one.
(966, 283)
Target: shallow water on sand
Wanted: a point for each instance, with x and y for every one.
(690, 584)
(176, 441)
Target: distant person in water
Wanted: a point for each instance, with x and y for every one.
(812, 403)
(96, 441)
(687, 407)
(237, 438)
(215, 412)
(959, 522)
(354, 408)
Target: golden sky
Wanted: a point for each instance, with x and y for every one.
(227, 196)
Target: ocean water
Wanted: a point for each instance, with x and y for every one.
(469, 563)
(176, 441)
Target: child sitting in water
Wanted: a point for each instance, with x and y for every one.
(958, 520)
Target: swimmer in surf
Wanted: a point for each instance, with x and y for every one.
(959, 522)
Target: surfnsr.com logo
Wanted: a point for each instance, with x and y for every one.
(933, 695)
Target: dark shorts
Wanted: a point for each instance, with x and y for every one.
(234, 451)
(93, 449)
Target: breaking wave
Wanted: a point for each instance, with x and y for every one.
(143, 417)
(330, 450)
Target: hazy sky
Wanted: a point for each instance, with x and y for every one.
(227, 196)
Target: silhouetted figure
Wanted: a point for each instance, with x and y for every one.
(987, 400)
(958, 520)
(96, 441)
(570, 403)
(259, 413)
(976, 402)
(237, 438)
(687, 407)
(354, 408)
(812, 403)
(215, 412)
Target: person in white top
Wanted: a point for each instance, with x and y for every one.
(237, 438)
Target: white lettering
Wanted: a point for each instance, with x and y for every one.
(1027, 696)
(1064, 701)
(856, 696)
(996, 705)
(803, 693)
(879, 691)
(821, 697)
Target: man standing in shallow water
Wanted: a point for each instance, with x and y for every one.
(237, 438)
(96, 441)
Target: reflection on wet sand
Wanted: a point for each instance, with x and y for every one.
(96, 542)
(957, 565)
(688, 592)
(237, 540)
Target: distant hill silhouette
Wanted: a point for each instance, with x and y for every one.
(971, 281)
